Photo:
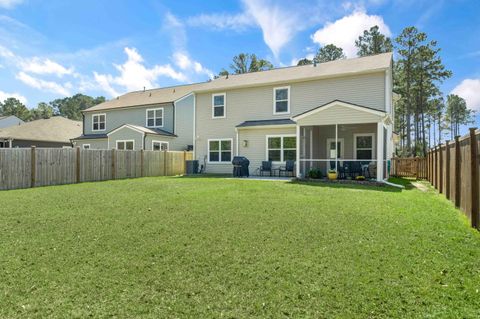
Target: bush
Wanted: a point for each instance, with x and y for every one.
(315, 173)
(360, 178)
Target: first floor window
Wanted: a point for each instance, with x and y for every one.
(4, 144)
(86, 146)
(281, 148)
(159, 146)
(155, 117)
(98, 121)
(364, 146)
(220, 150)
(125, 145)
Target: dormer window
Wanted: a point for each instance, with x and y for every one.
(218, 105)
(155, 117)
(281, 100)
(99, 122)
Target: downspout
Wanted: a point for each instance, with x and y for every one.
(194, 125)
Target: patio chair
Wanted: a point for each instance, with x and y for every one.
(288, 168)
(356, 169)
(266, 167)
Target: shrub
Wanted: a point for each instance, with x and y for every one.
(315, 173)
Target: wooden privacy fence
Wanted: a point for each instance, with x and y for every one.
(453, 169)
(416, 167)
(32, 167)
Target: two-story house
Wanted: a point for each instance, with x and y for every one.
(327, 116)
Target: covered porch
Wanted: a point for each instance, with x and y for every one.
(348, 139)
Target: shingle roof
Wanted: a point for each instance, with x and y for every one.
(266, 122)
(275, 76)
(147, 130)
(55, 129)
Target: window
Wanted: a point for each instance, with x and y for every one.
(86, 146)
(281, 148)
(155, 117)
(220, 151)
(125, 145)
(281, 100)
(218, 105)
(364, 147)
(4, 144)
(98, 122)
(159, 146)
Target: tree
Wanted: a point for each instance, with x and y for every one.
(13, 106)
(246, 62)
(457, 114)
(304, 61)
(72, 107)
(328, 53)
(43, 111)
(373, 42)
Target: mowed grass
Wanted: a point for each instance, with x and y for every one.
(223, 248)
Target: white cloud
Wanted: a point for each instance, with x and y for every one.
(219, 21)
(44, 85)
(346, 30)
(135, 76)
(18, 96)
(184, 62)
(8, 4)
(469, 89)
(38, 65)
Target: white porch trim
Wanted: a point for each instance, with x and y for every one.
(380, 159)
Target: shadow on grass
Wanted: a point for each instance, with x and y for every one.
(351, 185)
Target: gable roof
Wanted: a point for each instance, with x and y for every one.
(144, 130)
(341, 103)
(147, 97)
(369, 64)
(55, 129)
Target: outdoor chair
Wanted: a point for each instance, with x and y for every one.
(266, 167)
(288, 168)
(356, 169)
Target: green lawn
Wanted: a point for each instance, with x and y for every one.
(222, 248)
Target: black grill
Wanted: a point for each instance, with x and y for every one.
(240, 166)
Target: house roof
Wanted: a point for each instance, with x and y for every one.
(156, 96)
(337, 102)
(336, 68)
(55, 129)
(266, 123)
(142, 129)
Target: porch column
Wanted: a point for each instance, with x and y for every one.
(380, 162)
(298, 152)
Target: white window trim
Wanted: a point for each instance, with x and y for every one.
(282, 160)
(224, 105)
(220, 150)
(342, 148)
(374, 155)
(99, 114)
(154, 116)
(83, 146)
(125, 141)
(274, 100)
(162, 142)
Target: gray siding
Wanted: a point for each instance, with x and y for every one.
(25, 143)
(132, 115)
(172, 142)
(126, 134)
(10, 121)
(95, 144)
(183, 123)
(257, 104)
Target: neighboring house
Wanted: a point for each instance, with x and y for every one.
(9, 120)
(160, 119)
(53, 132)
(334, 115)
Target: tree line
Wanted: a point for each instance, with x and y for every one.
(423, 115)
(69, 107)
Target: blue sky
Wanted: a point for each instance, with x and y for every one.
(50, 49)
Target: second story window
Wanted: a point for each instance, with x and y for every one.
(218, 105)
(155, 117)
(99, 122)
(281, 100)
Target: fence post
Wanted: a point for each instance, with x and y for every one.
(447, 169)
(165, 163)
(435, 168)
(440, 170)
(457, 172)
(184, 162)
(33, 166)
(142, 162)
(77, 167)
(474, 177)
(415, 167)
(113, 164)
